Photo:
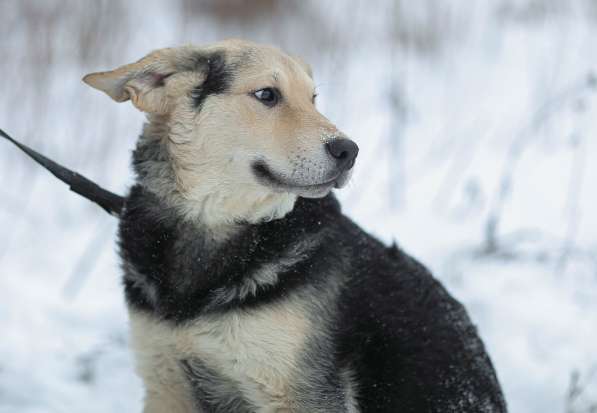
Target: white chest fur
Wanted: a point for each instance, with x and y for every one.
(257, 349)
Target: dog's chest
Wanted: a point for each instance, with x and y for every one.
(249, 354)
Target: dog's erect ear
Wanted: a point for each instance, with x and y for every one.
(142, 82)
(306, 66)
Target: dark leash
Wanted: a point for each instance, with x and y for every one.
(109, 201)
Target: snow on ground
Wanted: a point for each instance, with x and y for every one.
(493, 117)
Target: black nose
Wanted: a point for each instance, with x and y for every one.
(344, 150)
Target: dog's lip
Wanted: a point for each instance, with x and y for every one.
(343, 178)
(263, 172)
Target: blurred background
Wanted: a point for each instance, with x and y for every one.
(477, 126)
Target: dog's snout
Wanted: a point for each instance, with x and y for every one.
(343, 150)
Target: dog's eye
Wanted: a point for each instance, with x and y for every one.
(314, 97)
(268, 96)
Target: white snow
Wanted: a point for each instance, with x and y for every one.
(502, 97)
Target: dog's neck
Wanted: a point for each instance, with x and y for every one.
(211, 205)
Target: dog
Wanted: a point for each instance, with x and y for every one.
(248, 290)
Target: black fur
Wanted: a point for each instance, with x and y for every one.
(188, 269)
(411, 347)
(414, 347)
(218, 78)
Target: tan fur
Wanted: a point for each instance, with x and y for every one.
(257, 349)
(212, 149)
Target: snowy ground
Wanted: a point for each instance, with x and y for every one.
(490, 117)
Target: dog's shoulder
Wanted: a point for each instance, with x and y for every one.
(413, 346)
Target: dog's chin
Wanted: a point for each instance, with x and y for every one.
(319, 191)
(311, 191)
(316, 190)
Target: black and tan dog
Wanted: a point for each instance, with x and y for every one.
(248, 289)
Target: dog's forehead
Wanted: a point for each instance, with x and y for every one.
(249, 53)
(253, 61)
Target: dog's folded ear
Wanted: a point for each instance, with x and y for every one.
(142, 82)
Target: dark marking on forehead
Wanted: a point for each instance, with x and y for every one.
(219, 75)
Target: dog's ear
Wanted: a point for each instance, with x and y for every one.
(142, 82)
(306, 66)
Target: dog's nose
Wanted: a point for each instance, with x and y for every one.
(343, 150)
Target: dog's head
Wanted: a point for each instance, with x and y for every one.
(240, 123)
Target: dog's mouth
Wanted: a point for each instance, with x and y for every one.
(270, 178)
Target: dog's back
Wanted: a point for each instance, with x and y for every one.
(411, 345)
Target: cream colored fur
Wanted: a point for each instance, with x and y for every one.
(256, 349)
